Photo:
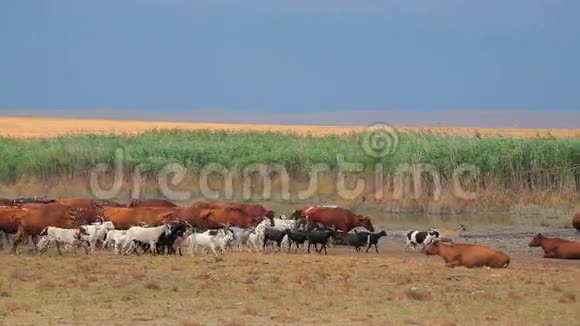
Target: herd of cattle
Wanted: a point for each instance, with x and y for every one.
(161, 227)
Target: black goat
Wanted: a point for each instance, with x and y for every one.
(319, 237)
(356, 240)
(373, 239)
(167, 239)
(275, 235)
(298, 237)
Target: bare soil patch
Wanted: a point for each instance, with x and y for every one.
(390, 288)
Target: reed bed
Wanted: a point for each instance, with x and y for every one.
(542, 164)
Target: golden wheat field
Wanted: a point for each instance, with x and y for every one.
(29, 127)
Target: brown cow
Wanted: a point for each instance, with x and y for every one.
(10, 218)
(217, 218)
(40, 216)
(7, 202)
(32, 200)
(556, 247)
(90, 211)
(123, 217)
(108, 203)
(249, 209)
(576, 221)
(469, 255)
(334, 217)
(150, 203)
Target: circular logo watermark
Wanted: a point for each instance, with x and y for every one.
(379, 140)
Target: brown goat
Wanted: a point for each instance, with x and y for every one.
(451, 235)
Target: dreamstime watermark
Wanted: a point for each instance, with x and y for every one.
(352, 179)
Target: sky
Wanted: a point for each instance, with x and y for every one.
(286, 57)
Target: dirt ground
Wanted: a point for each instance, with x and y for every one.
(393, 287)
(29, 127)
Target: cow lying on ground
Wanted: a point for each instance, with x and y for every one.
(469, 255)
(556, 247)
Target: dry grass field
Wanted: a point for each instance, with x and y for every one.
(391, 288)
(29, 127)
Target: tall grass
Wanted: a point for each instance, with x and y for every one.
(535, 164)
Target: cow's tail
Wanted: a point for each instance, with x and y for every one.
(44, 231)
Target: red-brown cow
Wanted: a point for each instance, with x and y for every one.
(576, 221)
(123, 217)
(10, 219)
(7, 202)
(217, 218)
(90, 211)
(335, 217)
(469, 255)
(108, 203)
(556, 247)
(40, 216)
(249, 209)
(150, 203)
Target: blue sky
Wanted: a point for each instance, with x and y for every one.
(290, 56)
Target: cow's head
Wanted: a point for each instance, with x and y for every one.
(366, 223)
(536, 240)
(296, 214)
(433, 248)
(270, 219)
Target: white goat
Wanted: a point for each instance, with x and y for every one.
(95, 232)
(67, 237)
(145, 235)
(116, 238)
(182, 241)
(254, 241)
(241, 236)
(218, 240)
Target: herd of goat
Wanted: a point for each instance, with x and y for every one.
(173, 237)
